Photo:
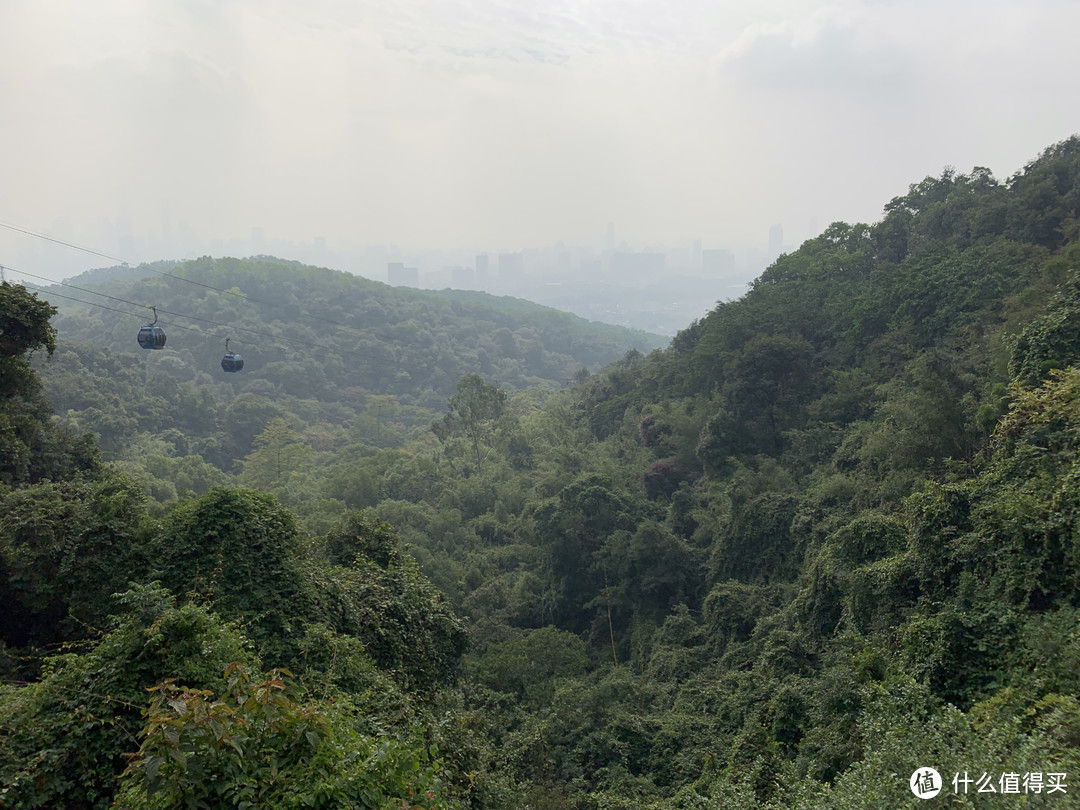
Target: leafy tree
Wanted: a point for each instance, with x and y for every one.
(654, 571)
(1045, 195)
(24, 320)
(361, 535)
(65, 548)
(31, 449)
(63, 737)
(529, 666)
(474, 412)
(406, 626)
(256, 744)
(575, 528)
(241, 551)
(757, 546)
(279, 451)
(768, 380)
(1051, 341)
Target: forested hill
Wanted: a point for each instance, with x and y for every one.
(829, 534)
(314, 332)
(342, 358)
(823, 541)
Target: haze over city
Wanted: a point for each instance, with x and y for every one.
(356, 135)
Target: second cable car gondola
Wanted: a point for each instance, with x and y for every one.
(152, 336)
(231, 361)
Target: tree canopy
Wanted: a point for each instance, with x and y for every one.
(824, 538)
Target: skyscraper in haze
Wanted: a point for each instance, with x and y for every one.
(717, 262)
(462, 278)
(511, 266)
(637, 266)
(398, 275)
(776, 239)
(610, 236)
(482, 270)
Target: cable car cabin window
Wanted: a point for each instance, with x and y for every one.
(232, 362)
(152, 337)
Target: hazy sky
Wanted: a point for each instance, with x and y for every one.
(498, 124)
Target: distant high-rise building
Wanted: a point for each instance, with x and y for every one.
(637, 265)
(462, 278)
(610, 236)
(481, 265)
(717, 262)
(776, 239)
(511, 265)
(166, 225)
(680, 257)
(398, 275)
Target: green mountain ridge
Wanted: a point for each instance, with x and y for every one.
(313, 340)
(823, 541)
(323, 299)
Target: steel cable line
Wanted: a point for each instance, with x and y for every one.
(54, 294)
(272, 342)
(11, 227)
(72, 286)
(241, 295)
(114, 309)
(39, 288)
(273, 339)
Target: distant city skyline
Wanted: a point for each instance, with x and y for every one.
(116, 240)
(173, 129)
(656, 288)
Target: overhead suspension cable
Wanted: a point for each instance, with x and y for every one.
(11, 227)
(241, 295)
(273, 339)
(124, 262)
(75, 287)
(50, 293)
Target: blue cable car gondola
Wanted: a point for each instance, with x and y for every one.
(231, 361)
(151, 336)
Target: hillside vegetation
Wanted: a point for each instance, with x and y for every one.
(824, 539)
(351, 364)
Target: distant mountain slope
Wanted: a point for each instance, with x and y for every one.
(386, 339)
(829, 537)
(833, 519)
(308, 335)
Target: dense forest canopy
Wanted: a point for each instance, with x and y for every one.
(336, 367)
(826, 538)
(316, 333)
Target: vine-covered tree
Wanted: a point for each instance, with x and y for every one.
(474, 411)
(31, 448)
